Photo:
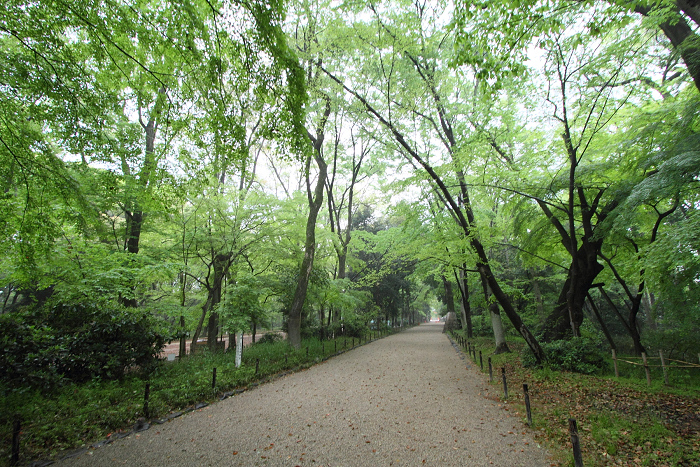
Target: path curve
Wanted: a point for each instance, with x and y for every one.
(407, 399)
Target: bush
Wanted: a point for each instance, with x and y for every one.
(352, 325)
(270, 338)
(39, 348)
(310, 331)
(579, 355)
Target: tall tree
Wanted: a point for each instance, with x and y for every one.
(415, 59)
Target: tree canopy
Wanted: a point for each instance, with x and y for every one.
(328, 167)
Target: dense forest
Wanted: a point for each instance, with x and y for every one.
(190, 169)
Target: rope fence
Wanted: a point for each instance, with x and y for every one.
(665, 364)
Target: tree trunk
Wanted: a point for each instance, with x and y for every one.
(499, 336)
(183, 339)
(221, 264)
(307, 264)
(134, 215)
(465, 306)
(449, 296)
(631, 326)
(315, 203)
(604, 328)
(650, 311)
(539, 305)
(567, 315)
(681, 35)
(220, 267)
(498, 333)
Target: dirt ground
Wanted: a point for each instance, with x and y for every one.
(407, 399)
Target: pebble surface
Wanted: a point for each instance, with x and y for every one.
(407, 399)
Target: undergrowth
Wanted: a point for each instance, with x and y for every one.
(621, 421)
(77, 414)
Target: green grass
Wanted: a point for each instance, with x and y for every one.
(77, 415)
(620, 419)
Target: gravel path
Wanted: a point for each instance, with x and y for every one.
(406, 399)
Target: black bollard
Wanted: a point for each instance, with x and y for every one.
(527, 405)
(481, 361)
(505, 384)
(146, 395)
(573, 431)
(213, 378)
(490, 371)
(257, 365)
(16, 430)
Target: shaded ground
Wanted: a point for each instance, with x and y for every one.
(403, 400)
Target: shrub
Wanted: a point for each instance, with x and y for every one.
(39, 348)
(352, 325)
(310, 331)
(270, 338)
(579, 355)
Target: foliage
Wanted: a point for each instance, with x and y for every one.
(579, 355)
(612, 428)
(74, 414)
(42, 347)
(241, 308)
(269, 338)
(352, 325)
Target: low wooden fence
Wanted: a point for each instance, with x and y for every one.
(666, 364)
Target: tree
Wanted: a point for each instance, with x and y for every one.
(494, 36)
(422, 65)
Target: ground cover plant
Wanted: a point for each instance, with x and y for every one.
(76, 415)
(621, 421)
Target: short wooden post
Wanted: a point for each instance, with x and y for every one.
(353, 342)
(16, 430)
(257, 365)
(323, 348)
(505, 383)
(490, 371)
(527, 404)
(573, 431)
(646, 368)
(481, 361)
(663, 365)
(614, 355)
(213, 378)
(335, 346)
(285, 359)
(146, 395)
(307, 351)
